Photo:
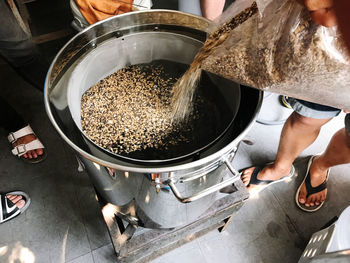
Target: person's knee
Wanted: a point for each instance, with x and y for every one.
(298, 120)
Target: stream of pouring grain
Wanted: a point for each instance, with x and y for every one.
(185, 87)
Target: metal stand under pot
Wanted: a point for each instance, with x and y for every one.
(136, 244)
(168, 197)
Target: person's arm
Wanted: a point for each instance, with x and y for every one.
(211, 9)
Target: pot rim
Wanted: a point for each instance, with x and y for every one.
(217, 156)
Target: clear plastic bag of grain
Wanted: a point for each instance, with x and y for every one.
(281, 49)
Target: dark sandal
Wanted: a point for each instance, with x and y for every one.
(9, 210)
(255, 181)
(310, 189)
(254, 177)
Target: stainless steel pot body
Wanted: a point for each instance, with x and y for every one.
(155, 195)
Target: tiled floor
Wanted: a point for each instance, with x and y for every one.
(64, 223)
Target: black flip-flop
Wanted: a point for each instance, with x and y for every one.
(310, 190)
(9, 210)
(255, 181)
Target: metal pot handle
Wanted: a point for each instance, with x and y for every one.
(210, 190)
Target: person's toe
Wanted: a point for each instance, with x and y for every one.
(14, 198)
(308, 202)
(244, 179)
(29, 155)
(316, 199)
(324, 195)
(11, 197)
(17, 200)
(301, 200)
(247, 173)
(302, 195)
(244, 176)
(20, 204)
(320, 198)
(39, 152)
(33, 153)
(25, 155)
(311, 201)
(245, 182)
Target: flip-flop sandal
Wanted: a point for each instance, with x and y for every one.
(255, 181)
(21, 149)
(310, 189)
(9, 210)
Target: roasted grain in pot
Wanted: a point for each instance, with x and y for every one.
(130, 110)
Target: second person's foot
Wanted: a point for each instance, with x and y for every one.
(313, 190)
(32, 154)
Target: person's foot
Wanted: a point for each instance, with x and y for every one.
(317, 177)
(17, 200)
(269, 172)
(13, 204)
(27, 139)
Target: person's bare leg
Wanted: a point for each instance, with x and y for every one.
(337, 152)
(297, 134)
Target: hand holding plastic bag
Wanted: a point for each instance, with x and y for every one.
(322, 11)
(282, 49)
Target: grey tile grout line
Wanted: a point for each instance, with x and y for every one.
(93, 258)
(92, 254)
(104, 223)
(83, 219)
(200, 249)
(79, 174)
(250, 242)
(288, 217)
(103, 246)
(78, 257)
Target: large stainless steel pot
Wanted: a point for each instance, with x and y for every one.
(153, 195)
